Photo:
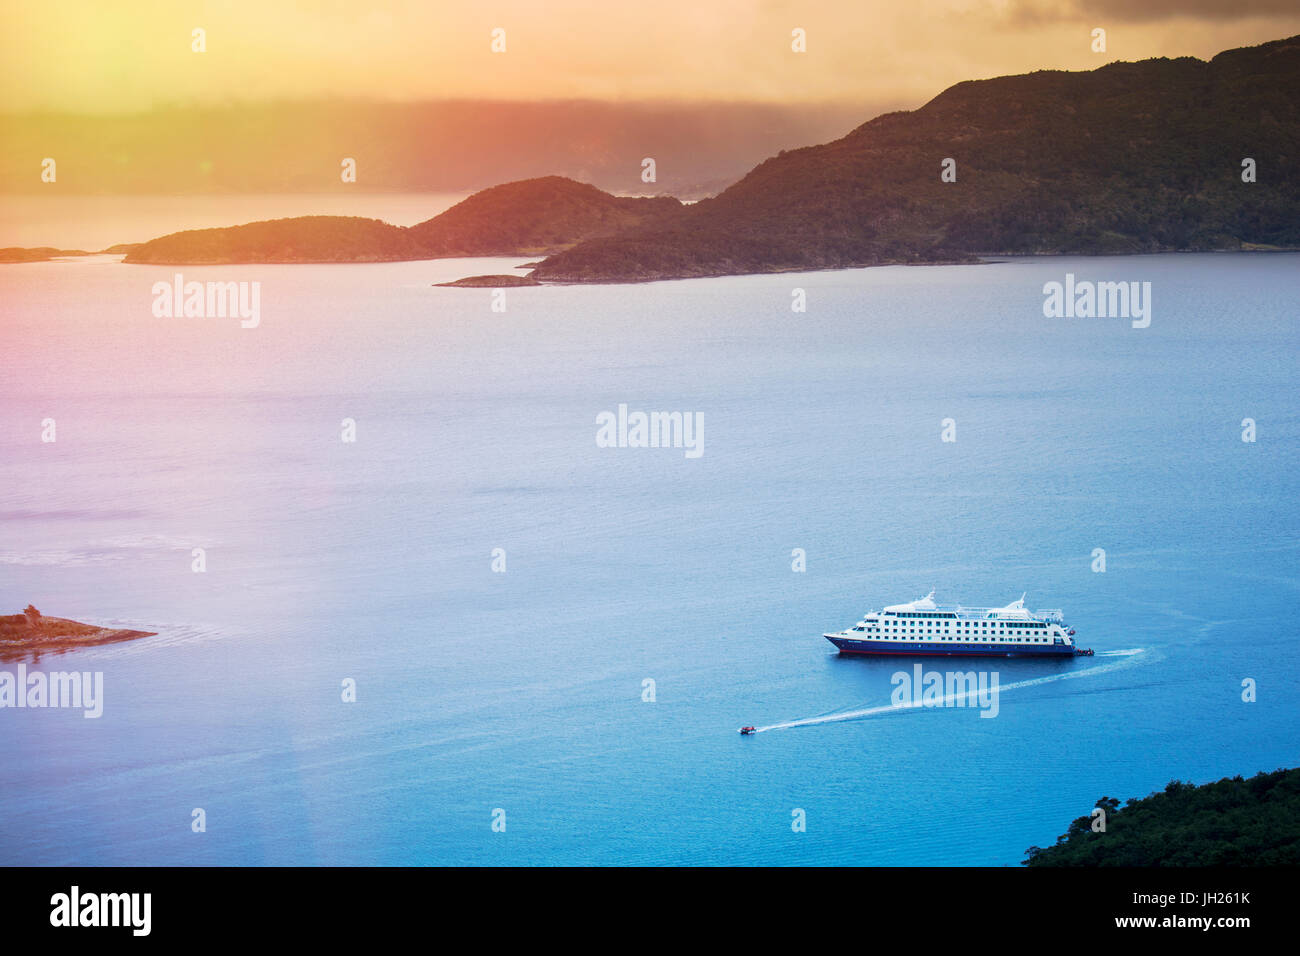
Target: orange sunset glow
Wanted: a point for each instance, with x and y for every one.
(162, 97)
(134, 55)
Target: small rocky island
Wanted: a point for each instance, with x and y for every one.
(489, 282)
(37, 254)
(31, 634)
(48, 253)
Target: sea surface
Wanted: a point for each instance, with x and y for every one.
(520, 697)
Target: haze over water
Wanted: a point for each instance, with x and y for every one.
(523, 690)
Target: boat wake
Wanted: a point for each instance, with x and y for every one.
(1108, 661)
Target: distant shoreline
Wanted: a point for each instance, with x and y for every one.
(16, 254)
(508, 281)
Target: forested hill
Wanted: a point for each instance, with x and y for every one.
(1232, 822)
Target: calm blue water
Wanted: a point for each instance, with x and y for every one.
(522, 690)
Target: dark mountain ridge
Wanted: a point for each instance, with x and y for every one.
(1131, 157)
(1127, 158)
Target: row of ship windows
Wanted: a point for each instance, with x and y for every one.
(892, 632)
(984, 637)
(915, 630)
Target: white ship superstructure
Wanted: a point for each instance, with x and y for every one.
(922, 627)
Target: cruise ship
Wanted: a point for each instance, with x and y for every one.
(925, 628)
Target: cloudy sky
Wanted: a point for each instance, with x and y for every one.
(85, 55)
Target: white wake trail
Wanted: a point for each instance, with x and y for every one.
(1124, 658)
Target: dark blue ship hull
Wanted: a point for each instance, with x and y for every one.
(848, 645)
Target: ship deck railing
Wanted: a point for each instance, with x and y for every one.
(1050, 615)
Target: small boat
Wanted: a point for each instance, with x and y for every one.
(747, 730)
(1083, 652)
(1070, 632)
